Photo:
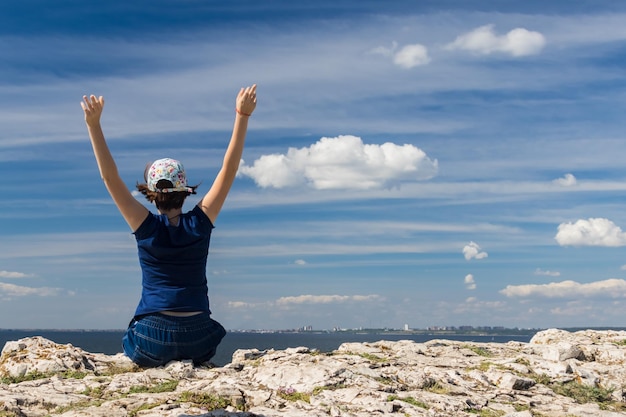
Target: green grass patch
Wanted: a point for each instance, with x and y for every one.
(408, 400)
(522, 361)
(583, 394)
(372, 357)
(291, 394)
(211, 402)
(487, 412)
(134, 412)
(478, 350)
(333, 387)
(95, 392)
(436, 387)
(167, 386)
(31, 376)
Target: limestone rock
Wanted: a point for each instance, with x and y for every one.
(557, 373)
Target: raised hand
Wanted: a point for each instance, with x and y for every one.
(246, 100)
(92, 107)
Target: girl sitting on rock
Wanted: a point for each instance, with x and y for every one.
(173, 320)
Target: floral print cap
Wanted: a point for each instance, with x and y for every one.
(167, 169)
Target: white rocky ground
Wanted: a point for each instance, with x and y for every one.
(556, 374)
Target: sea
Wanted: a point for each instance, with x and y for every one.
(109, 341)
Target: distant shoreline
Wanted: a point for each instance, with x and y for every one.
(395, 332)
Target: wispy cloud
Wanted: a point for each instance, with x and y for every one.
(326, 299)
(568, 180)
(546, 273)
(484, 41)
(306, 299)
(343, 162)
(591, 232)
(473, 251)
(12, 274)
(610, 288)
(12, 290)
(408, 56)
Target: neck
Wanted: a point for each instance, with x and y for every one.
(172, 215)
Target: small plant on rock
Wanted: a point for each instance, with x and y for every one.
(487, 412)
(478, 350)
(167, 386)
(211, 402)
(583, 394)
(291, 394)
(409, 400)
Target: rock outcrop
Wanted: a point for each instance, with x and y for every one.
(557, 373)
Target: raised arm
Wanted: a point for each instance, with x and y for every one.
(132, 210)
(214, 199)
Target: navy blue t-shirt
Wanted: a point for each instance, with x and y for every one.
(173, 262)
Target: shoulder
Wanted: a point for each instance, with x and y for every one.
(200, 215)
(147, 227)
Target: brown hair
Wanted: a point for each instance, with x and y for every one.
(165, 201)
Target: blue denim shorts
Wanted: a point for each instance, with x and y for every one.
(155, 339)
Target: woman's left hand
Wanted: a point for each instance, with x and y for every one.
(246, 100)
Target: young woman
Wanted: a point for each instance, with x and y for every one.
(173, 320)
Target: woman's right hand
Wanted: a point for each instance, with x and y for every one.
(246, 100)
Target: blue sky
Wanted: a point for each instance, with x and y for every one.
(409, 162)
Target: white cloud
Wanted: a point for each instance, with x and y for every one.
(470, 284)
(567, 181)
(240, 304)
(20, 291)
(591, 232)
(569, 289)
(344, 162)
(410, 56)
(11, 274)
(573, 309)
(473, 305)
(539, 271)
(484, 41)
(385, 51)
(472, 250)
(325, 299)
(300, 262)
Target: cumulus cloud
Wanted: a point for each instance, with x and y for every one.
(568, 180)
(612, 288)
(343, 162)
(472, 251)
(470, 284)
(591, 232)
(410, 56)
(484, 41)
(325, 299)
(540, 271)
(11, 274)
(20, 291)
(300, 262)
